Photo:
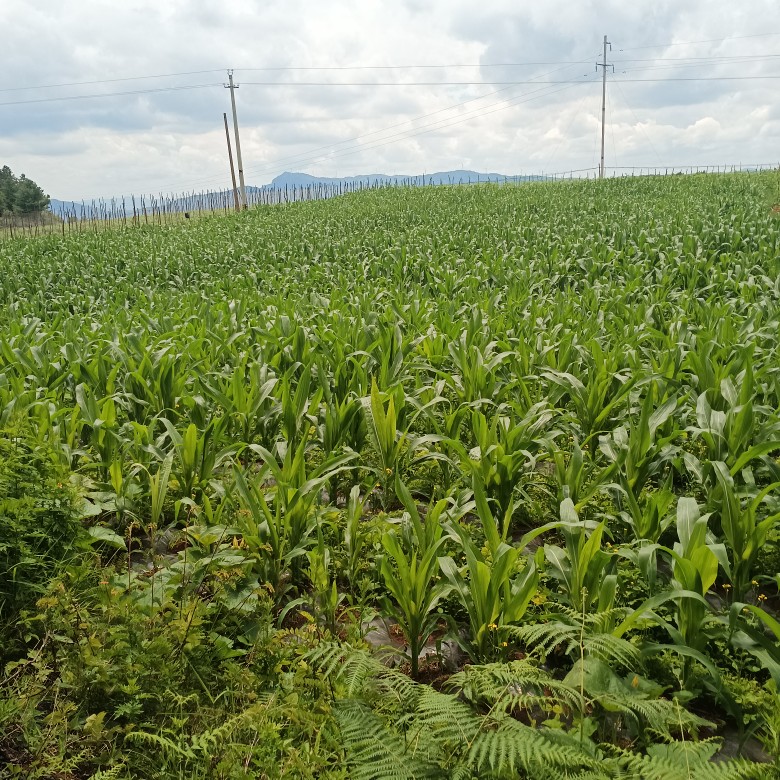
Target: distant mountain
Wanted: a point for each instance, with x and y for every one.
(286, 181)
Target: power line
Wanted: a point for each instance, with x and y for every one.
(413, 67)
(715, 58)
(704, 61)
(109, 94)
(378, 84)
(109, 81)
(683, 67)
(293, 68)
(429, 129)
(304, 157)
(307, 68)
(477, 83)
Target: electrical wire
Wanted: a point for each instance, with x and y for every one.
(430, 129)
(410, 67)
(715, 58)
(108, 94)
(110, 81)
(305, 157)
(292, 68)
(375, 84)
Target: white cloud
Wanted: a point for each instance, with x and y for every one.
(175, 139)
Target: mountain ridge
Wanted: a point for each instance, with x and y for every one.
(294, 179)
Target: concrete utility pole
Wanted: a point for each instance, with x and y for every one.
(232, 170)
(602, 64)
(232, 87)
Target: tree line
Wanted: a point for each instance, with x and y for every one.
(20, 195)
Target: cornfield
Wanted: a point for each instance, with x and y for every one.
(534, 430)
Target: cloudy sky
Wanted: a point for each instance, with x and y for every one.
(100, 99)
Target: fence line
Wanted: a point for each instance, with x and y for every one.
(161, 209)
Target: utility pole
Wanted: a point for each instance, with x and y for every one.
(602, 64)
(232, 87)
(232, 170)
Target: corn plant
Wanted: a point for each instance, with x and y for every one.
(583, 568)
(199, 455)
(729, 434)
(490, 589)
(642, 449)
(744, 532)
(327, 598)
(576, 477)
(695, 560)
(248, 400)
(296, 496)
(355, 546)
(505, 452)
(100, 427)
(388, 444)
(594, 401)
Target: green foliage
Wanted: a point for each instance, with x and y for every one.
(583, 568)
(20, 195)
(489, 587)
(410, 570)
(39, 530)
(526, 387)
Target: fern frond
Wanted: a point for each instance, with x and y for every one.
(659, 715)
(512, 686)
(353, 667)
(688, 760)
(451, 721)
(373, 751)
(398, 686)
(580, 634)
(515, 747)
(544, 637)
(167, 747)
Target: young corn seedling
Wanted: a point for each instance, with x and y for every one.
(388, 444)
(296, 497)
(199, 455)
(642, 449)
(741, 527)
(505, 452)
(410, 570)
(730, 434)
(489, 587)
(597, 399)
(248, 400)
(584, 570)
(576, 476)
(410, 576)
(327, 598)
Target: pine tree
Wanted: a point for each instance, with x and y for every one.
(7, 190)
(29, 197)
(20, 195)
